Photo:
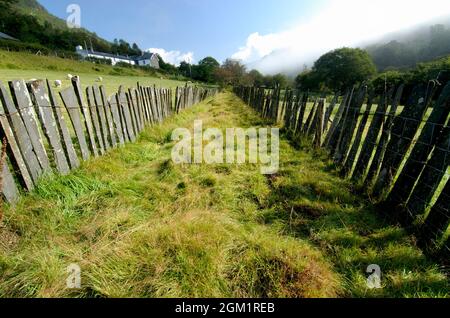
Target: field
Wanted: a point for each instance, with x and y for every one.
(140, 226)
(26, 66)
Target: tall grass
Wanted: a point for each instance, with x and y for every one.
(140, 226)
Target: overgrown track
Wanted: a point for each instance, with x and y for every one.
(140, 226)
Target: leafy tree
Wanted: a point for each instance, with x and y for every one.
(185, 69)
(385, 81)
(280, 80)
(232, 72)
(205, 70)
(344, 67)
(256, 78)
(307, 81)
(136, 49)
(169, 68)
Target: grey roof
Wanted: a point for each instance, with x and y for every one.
(107, 54)
(7, 37)
(145, 56)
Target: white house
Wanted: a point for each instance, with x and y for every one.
(147, 59)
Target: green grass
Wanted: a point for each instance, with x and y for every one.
(140, 226)
(19, 65)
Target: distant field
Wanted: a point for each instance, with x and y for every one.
(14, 65)
(111, 83)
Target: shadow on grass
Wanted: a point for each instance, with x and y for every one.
(311, 201)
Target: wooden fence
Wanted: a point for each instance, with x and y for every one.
(45, 134)
(400, 155)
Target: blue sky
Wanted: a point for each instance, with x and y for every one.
(269, 35)
(204, 27)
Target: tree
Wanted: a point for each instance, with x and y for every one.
(206, 69)
(136, 49)
(185, 69)
(232, 72)
(256, 78)
(169, 68)
(280, 80)
(342, 68)
(307, 81)
(387, 80)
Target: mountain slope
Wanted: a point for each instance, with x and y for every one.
(31, 23)
(405, 49)
(34, 8)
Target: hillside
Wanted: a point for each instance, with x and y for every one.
(31, 23)
(406, 49)
(34, 8)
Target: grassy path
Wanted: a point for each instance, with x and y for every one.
(139, 226)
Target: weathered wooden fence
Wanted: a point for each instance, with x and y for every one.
(45, 134)
(400, 155)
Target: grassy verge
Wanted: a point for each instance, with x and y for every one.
(139, 226)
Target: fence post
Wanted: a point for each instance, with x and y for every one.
(320, 115)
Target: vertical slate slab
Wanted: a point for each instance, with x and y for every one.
(301, 114)
(152, 101)
(151, 113)
(319, 123)
(385, 135)
(94, 116)
(109, 118)
(403, 131)
(370, 143)
(143, 103)
(140, 109)
(45, 112)
(421, 151)
(332, 132)
(438, 220)
(431, 177)
(9, 187)
(295, 112)
(115, 111)
(70, 102)
(25, 107)
(87, 116)
(63, 130)
(177, 100)
(310, 117)
(349, 125)
(123, 122)
(156, 97)
(132, 107)
(335, 142)
(128, 124)
(348, 166)
(18, 141)
(102, 116)
(330, 110)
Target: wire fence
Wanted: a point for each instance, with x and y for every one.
(399, 155)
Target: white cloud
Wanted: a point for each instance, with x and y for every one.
(340, 23)
(173, 57)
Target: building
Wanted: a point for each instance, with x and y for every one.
(147, 59)
(4, 36)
